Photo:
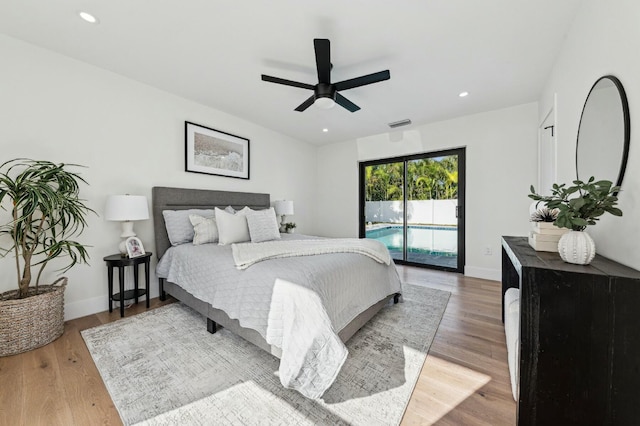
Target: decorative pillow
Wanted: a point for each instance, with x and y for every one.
(232, 228)
(179, 228)
(205, 229)
(263, 225)
(230, 209)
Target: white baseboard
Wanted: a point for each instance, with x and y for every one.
(484, 273)
(85, 307)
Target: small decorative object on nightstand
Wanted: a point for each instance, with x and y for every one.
(117, 261)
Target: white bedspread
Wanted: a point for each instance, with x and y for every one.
(298, 304)
(246, 254)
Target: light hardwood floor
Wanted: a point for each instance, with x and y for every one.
(464, 381)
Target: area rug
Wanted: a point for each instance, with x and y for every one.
(162, 367)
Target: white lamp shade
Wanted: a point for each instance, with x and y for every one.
(284, 207)
(126, 207)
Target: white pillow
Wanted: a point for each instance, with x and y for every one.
(232, 228)
(205, 229)
(263, 225)
(179, 227)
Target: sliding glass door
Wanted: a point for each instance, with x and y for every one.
(414, 206)
(384, 208)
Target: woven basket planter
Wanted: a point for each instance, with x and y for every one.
(34, 321)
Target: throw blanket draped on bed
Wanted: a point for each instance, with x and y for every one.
(312, 352)
(247, 254)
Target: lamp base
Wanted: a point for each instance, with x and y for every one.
(122, 247)
(127, 231)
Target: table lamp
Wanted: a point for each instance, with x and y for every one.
(126, 209)
(283, 208)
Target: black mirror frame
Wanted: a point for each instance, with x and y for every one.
(627, 126)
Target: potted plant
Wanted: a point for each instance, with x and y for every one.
(544, 215)
(44, 212)
(289, 227)
(543, 220)
(545, 235)
(579, 206)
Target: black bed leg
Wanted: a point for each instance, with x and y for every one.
(163, 295)
(396, 298)
(211, 326)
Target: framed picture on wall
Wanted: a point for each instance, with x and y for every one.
(134, 247)
(214, 152)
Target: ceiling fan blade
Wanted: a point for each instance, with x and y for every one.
(306, 104)
(287, 82)
(346, 103)
(364, 80)
(323, 59)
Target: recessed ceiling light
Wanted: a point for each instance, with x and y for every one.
(325, 130)
(88, 17)
(463, 94)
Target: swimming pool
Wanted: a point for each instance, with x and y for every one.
(421, 239)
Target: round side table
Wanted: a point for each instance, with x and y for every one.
(117, 261)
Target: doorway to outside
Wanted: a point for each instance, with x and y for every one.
(415, 206)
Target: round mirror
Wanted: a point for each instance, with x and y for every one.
(603, 134)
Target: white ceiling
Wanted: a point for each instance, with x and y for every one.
(213, 52)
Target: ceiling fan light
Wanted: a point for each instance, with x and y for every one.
(88, 17)
(324, 103)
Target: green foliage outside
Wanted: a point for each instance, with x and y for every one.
(427, 179)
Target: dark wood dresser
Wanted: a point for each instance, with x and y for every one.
(579, 338)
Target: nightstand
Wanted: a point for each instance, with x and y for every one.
(117, 261)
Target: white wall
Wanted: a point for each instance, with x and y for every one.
(424, 212)
(131, 137)
(501, 152)
(604, 39)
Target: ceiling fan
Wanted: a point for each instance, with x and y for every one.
(325, 94)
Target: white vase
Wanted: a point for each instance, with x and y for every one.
(577, 247)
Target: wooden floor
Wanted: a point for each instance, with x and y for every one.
(464, 381)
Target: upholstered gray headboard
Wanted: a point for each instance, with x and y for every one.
(164, 198)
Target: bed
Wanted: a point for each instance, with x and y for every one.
(214, 308)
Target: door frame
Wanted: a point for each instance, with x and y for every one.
(461, 153)
(548, 127)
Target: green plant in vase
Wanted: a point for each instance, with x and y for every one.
(579, 206)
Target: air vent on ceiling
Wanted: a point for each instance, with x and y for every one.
(400, 123)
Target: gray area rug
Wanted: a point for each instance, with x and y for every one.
(162, 367)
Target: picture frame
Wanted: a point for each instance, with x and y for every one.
(214, 152)
(134, 247)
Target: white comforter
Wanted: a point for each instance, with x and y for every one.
(297, 304)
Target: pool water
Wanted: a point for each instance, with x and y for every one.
(432, 240)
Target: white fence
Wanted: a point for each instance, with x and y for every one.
(432, 212)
